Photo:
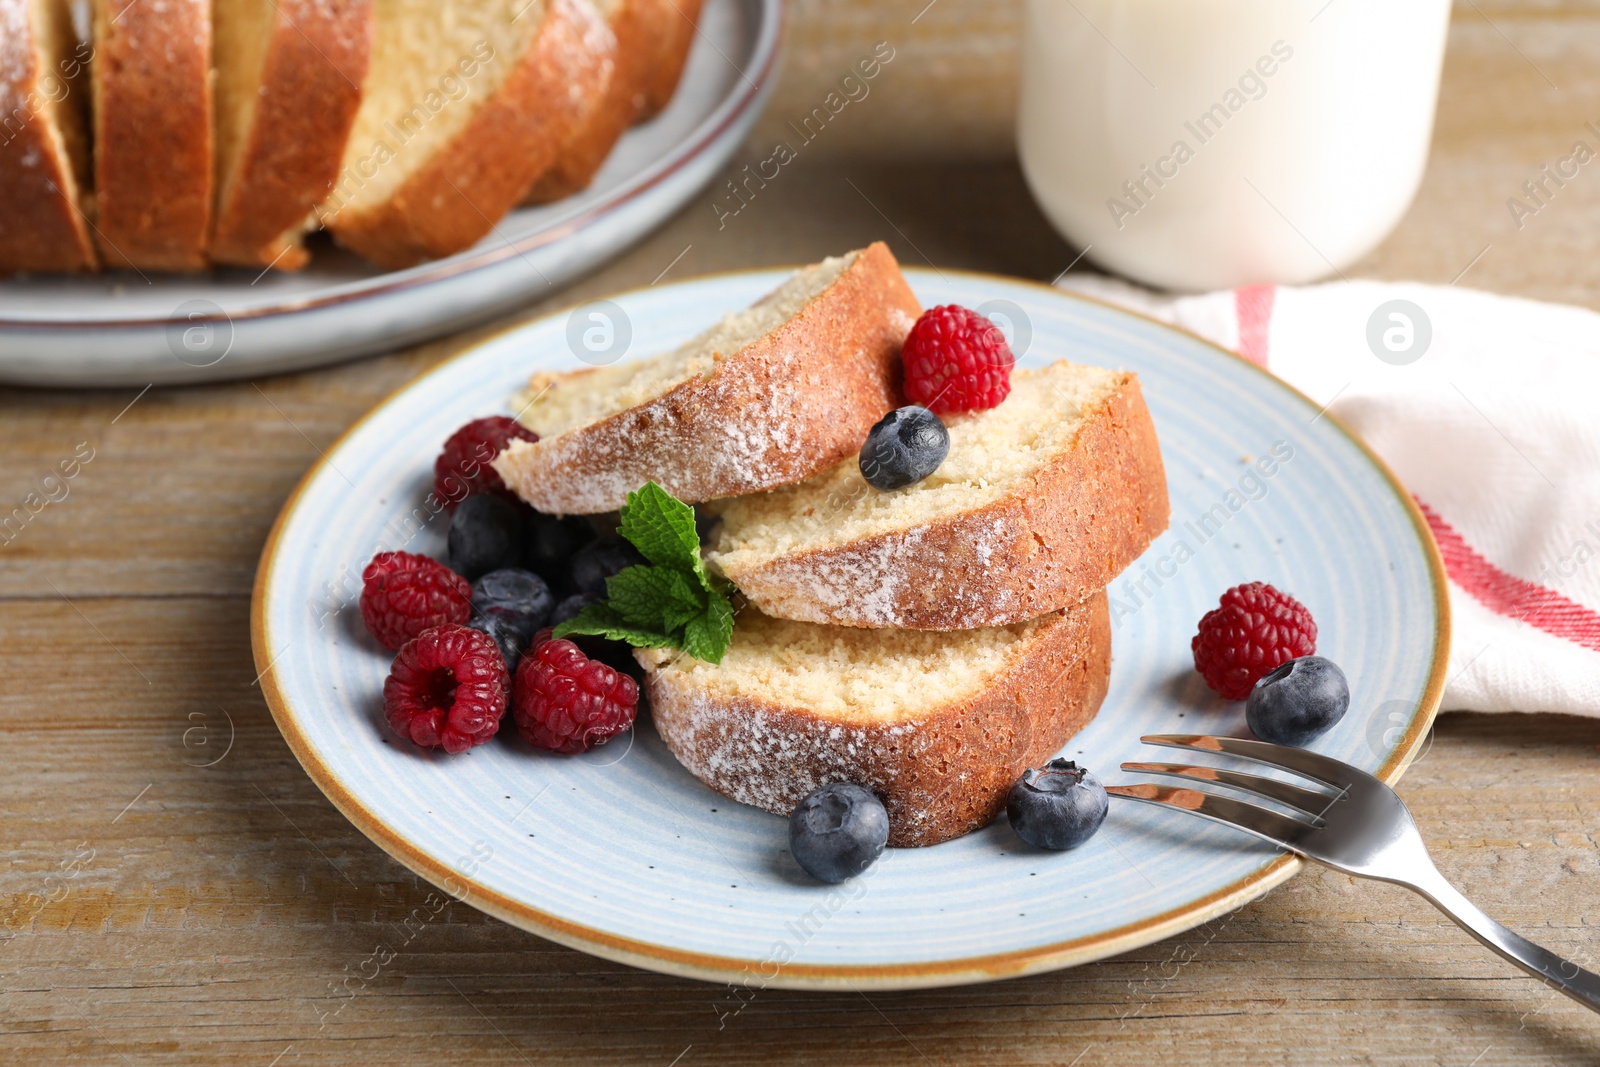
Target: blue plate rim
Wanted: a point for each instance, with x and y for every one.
(709, 967)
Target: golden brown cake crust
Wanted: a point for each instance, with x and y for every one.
(42, 228)
(637, 24)
(1065, 532)
(939, 776)
(152, 132)
(455, 198)
(310, 91)
(653, 40)
(666, 68)
(786, 406)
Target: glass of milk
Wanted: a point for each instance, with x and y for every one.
(1208, 144)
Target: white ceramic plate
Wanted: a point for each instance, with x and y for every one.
(620, 852)
(126, 328)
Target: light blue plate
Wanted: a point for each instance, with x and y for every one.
(620, 852)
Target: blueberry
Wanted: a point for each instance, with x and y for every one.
(1058, 806)
(521, 597)
(551, 543)
(485, 535)
(837, 831)
(1297, 702)
(615, 654)
(599, 560)
(570, 606)
(512, 641)
(904, 447)
(705, 524)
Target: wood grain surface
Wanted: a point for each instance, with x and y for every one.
(177, 891)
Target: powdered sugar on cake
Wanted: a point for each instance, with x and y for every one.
(766, 398)
(937, 725)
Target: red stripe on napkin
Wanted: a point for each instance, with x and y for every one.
(1509, 595)
(1253, 304)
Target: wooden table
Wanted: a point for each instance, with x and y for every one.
(157, 911)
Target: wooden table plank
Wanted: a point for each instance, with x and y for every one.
(160, 910)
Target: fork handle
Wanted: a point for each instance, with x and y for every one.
(1558, 973)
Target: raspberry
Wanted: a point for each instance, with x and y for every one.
(567, 702)
(403, 594)
(956, 360)
(462, 468)
(447, 689)
(1255, 629)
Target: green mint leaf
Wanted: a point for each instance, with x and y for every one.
(601, 621)
(706, 636)
(670, 601)
(658, 597)
(661, 527)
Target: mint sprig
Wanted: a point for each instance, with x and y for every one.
(671, 601)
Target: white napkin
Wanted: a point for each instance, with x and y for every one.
(1495, 429)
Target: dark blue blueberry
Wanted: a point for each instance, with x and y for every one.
(1057, 806)
(615, 654)
(569, 607)
(504, 630)
(904, 447)
(705, 525)
(485, 535)
(599, 560)
(551, 544)
(837, 831)
(1298, 701)
(522, 597)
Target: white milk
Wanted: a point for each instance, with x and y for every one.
(1204, 144)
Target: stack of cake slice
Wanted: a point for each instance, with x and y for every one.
(929, 643)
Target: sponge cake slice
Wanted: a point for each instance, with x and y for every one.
(938, 725)
(1041, 501)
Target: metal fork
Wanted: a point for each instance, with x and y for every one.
(1353, 823)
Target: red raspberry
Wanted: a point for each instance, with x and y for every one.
(1255, 629)
(447, 689)
(403, 594)
(462, 468)
(956, 360)
(565, 701)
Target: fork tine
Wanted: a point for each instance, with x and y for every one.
(1309, 802)
(1322, 768)
(1279, 829)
